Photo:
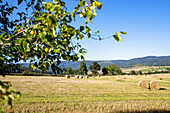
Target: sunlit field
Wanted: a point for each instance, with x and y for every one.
(90, 95)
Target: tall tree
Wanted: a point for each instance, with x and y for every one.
(94, 68)
(118, 71)
(83, 68)
(76, 72)
(114, 69)
(104, 70)
(69, 70)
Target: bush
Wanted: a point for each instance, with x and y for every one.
(25, 72)
(124, 73)
(132, 72)
(38, 74)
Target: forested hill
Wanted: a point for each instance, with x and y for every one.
(149, 61)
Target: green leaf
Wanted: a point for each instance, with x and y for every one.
(31, 66)
(117, 37)
(123, 32)
(82, 57)
(118, 34)
(81, 28)
(88, 30)
(18, 94)
(97, 32)
(81, 14)
(89, 35)
(28, 48)
(82, 50)
(19, 2)
(75, 58)
(89, 14)
(55, 1)
(98, 5)
(94, 12)
(92, 6)
(49, 37)
(54, 32)
(39, 18)
(1, 35)
(62, 3)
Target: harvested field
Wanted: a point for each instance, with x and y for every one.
(100, 95)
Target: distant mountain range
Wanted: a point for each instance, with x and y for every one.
(143, 61)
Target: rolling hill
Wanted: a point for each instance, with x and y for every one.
(143, 61)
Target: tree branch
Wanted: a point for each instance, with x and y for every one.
(22, 31)
(31, 17)
(7, 44)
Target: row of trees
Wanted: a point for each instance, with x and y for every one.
(111, 70)
(83, 69)
(132, 72)
(94, 69)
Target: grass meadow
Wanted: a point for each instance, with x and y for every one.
(89, 95)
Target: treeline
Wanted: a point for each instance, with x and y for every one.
(94, 69)
(132, 72)
(9, 68)
(18, 69)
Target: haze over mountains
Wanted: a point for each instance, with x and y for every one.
(143, 61)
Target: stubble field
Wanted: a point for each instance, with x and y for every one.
(89, 95)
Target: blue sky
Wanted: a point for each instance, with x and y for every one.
(147, 23)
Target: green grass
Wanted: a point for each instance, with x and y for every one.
(104, 94)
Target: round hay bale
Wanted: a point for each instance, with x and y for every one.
(118, 79)
(86, 76)
(159, 78)
(143, 84)
(68, 76)
(123, 77)
(81, 77)
(155, 85)
(76, 76)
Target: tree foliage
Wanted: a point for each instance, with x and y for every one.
(132, 72)
(114, 69)
(94, 68)
(139, 72)
(8, 93)
(45, 38)
(83, 68)
(50, 26)
(105, 70)
(69, 70)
